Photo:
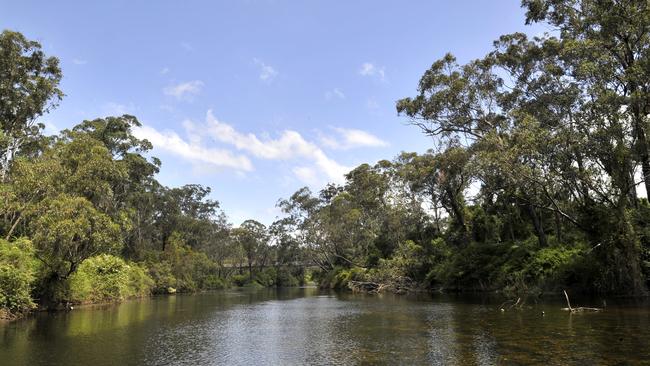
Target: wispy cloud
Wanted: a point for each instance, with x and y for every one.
(194, 152)
(117, 109)
(187, 47)
(267, 72)
(201, 147)
(334, 93)
(164, 71)
(184, 90)
(370, 69)
(349, 138)
(77, 61)
(290, 145)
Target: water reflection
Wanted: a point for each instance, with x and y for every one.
(305, 326)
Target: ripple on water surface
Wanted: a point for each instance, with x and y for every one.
(305, 326)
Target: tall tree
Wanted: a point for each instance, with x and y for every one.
(29, 83)
(253, 238)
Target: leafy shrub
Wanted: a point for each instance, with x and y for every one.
(162, 276)
(17, 269)
(266, 277)
(214, 282)
(338, 278)
(239, 279)
(140, 283)
(108, 278)
(181, 268)
(285, 278)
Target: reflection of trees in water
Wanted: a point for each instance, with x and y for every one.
(300, 331)
(460, 336)
(301, 326)
(388, 329)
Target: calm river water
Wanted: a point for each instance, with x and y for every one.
(306, 326)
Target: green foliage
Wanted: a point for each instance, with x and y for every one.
(214, 282)
(240, 279)
(18, 267)
(285, 277)
(181, 268)
(552, 130)
(106, 278)
(29, 82)
(69, 230)
(266, 277)
(161, 273)
(338, 278)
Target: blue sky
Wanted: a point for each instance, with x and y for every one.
(256, 98)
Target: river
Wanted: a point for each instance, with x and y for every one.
(308, 326)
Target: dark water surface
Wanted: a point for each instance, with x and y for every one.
(305, 326)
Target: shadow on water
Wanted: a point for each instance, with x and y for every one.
(308, 326)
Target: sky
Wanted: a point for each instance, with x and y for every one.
(256, 99)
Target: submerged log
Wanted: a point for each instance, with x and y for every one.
(578, 309)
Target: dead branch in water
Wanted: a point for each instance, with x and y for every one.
(518, 304)
(578, 309)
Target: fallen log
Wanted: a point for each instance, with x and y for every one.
(578, 309)
(362, 286)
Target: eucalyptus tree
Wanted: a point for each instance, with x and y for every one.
(253, 238)
(556, 124)
(29, 88)
(136, 192)
(606, 49)
(188, 211)
(67, 231)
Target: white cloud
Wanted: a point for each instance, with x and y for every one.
(165, 70)
(369, 69)
(334, 93)
(350, 138)
(288, 146)
(192, 151)
(116, 109)
(267, 72)
(77, 61)
(307, 175)
(313, 166)
(184, 90)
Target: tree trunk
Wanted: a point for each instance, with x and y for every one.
(558, 227)
(538, 226)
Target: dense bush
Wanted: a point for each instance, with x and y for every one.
(239, 279)
(17, 274)
(214, 282)
(161, 273)
(106, 278)
(266, 277)
(286, 277)
(181, 268)
(270, 277)
(339, 277)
